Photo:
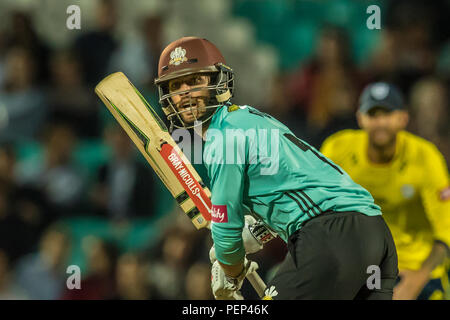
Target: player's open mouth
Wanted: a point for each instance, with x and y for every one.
(188, 106)
(188, 110)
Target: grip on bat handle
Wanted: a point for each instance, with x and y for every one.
(254, 279)
(257, 283)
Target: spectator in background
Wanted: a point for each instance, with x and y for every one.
(2, 58)
(42, 275)
(23, 212)
(414, 33)
(95, 48)
(403, 56)
(131, 279)
(6, 243)
(429, 104)
(8, 166)
(8, 289)
(279, 102)
(341, 115)
(125, 186)
(198, 282)
(22, 104)
(99, 284)
(70, 100)
(57, 175)
(22, 33)
(30, 215)
(152, 30)
(382, 64)
(168, 267)
(138, 56)
(326, 87)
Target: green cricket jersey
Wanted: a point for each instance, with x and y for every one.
(257, 166)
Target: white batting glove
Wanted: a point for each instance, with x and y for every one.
(251, 244)
(227, 288)
(212, 255)
(254, 236)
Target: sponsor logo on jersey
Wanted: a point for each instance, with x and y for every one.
(445, 194)
(178, 56)
(233, 108)
(219, 214)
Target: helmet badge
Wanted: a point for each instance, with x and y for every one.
(178, 56)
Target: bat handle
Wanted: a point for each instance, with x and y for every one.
(257, 283)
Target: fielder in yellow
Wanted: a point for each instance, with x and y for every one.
(408, 178)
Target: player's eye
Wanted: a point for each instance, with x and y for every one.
(192, 81)
(199, 80)
(174, 85)
(196, 80)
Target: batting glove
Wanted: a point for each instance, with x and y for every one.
(225, 287)
(254, 235)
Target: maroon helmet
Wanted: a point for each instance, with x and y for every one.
(188, 56)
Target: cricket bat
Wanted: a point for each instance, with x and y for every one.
(152, 138)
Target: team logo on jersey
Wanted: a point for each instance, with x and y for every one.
(219, 214)
(408, 191)
(269, 293)
(445, 194)
(380, 91)
(178, 56)
(233, 108)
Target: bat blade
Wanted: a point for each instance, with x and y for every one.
(151, 137)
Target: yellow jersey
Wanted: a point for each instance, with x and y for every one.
(412, 190)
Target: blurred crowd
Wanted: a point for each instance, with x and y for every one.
(412, 53)
(47, 102)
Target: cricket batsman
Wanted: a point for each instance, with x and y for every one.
(408, 179)
(259, 169)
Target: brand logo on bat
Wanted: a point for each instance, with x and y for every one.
(219, 213)
(183, 173)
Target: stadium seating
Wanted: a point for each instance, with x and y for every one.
(293, 25)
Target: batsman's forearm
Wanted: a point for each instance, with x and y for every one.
(437, 256)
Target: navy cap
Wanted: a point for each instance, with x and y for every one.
(381, 94)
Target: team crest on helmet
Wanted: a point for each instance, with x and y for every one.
(178, 56)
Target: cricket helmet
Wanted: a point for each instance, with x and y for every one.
(187, 56)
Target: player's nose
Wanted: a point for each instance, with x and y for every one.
(380, 119)
(184, 86)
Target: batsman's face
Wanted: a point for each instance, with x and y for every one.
(382, 125)
(190, 103)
